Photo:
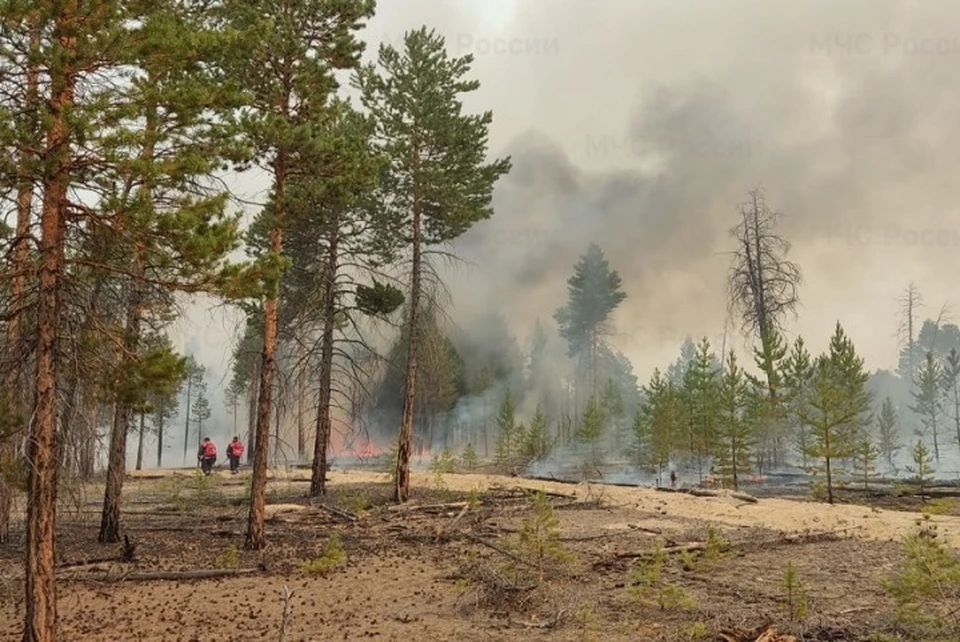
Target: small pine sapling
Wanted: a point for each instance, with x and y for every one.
(468, 458)
(926, 584)
(333, 556)
(539, 540)
(865, 455)
(795, 593)
(922, 468)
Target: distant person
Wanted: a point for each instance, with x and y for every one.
(234, 453)
(673, 478)
(207, 456)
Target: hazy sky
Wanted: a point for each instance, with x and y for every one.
(640, 125)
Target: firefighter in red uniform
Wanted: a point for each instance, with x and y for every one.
(234, 453)
(207, 456)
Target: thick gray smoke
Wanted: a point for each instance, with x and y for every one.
(640, 126)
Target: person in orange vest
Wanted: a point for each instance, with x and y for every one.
(234, 453)
(207, 456)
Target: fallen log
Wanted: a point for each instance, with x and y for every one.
(91, 561)
(707, 492)
(427, 508)
(671, 550)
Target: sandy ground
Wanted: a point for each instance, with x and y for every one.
(402, 580)
(789, 516)
(786, 515)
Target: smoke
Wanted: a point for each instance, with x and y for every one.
(646, 123)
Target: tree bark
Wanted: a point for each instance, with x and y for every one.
(40, 621)
(318, 474)
(256, 534)
(402, 489)
(122, 413)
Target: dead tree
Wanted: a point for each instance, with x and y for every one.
(762, 282)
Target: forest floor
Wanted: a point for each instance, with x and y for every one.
(472, 558)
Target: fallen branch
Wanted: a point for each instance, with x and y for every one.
(504, 552)
(174, 576)
(443, 529)
(287, 613)
(548, 493)
(671, 550)
(545, 624)
(338, 512)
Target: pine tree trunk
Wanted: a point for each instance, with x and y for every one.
(186, 423)
(318, 474)
(122, 413)
(256, 534)
(140, 443)
(402, 490)
(13, 379)
(301, 395)
(159, 420)
(40, 621)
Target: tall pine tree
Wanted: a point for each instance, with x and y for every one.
(438, 182)
(593, 293)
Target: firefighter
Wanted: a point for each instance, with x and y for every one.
(207, 456)
(234, 453)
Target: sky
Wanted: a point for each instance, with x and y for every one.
(641, 126)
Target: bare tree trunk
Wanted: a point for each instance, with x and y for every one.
(159, 440)
(186, 423)
(256, 535)
(322, 439)
(140, 443)
(13, 380)
(40, 621)
(402, 490)
(301, 394)
(122, 414)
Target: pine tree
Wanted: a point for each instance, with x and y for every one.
(593, 293)
(865, 455)
(922, 468)
(798, 373)
(887, 424)
(506, 424)
(201, 408)
(677, 369)
(827, 415)
(590, 430)
(928, 399)
(439, 182)
(951, 384)
(611, 404)
(657, 430)
(735, 437)
(700, 395)
(839, 406)
(284, 59)
(536, 444)
(771, 414)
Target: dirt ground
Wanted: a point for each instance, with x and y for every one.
(453, 566)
